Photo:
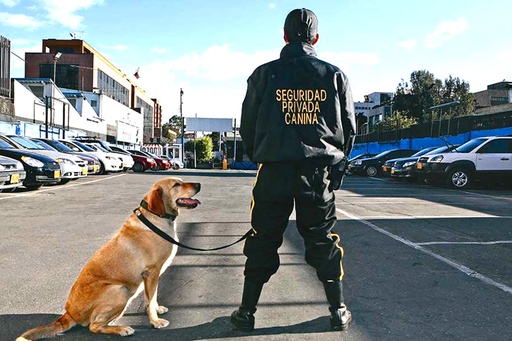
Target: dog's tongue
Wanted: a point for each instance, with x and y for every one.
(188, 202)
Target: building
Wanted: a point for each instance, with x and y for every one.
(376, 107)
(76, 67)
(6, 106)
(496, 94)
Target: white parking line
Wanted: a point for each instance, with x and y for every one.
(468, 243)
(458, 266)
(19, 195)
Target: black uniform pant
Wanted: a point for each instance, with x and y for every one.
(277, 188)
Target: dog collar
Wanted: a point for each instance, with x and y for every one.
(169, 216)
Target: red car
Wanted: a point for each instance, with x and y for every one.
(142, 162)
(160, 164)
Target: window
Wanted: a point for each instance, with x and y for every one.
(111, 88)
(497, 146)
(66, 76)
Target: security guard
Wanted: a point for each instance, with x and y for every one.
(297, 124)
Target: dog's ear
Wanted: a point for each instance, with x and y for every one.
(155, 201)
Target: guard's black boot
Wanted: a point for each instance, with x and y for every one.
(340, 315)
(243, 317)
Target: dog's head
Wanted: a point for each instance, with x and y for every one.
(167, 196)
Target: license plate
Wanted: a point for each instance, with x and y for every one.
(96, 168)
(392, 171)
(15, 178)
(84, 171)
(56, 174)
(384, 168)
(419, 166)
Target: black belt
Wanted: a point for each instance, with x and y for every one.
(171, 240)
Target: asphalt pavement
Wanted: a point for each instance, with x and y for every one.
(421, 262)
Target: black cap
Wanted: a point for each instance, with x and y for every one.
(301, 25)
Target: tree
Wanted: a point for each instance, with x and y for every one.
(174, 125)
(203, 146)
(424, 91)
(398, 120)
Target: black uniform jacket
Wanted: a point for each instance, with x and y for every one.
(297, 107)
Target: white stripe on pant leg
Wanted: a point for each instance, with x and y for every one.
(453, 264)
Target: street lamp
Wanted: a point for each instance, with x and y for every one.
(55, 58)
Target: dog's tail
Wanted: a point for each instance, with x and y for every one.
(63, 323)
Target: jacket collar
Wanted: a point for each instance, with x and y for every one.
(293, 50)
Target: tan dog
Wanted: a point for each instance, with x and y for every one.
(131, 261)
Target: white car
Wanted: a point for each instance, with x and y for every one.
(108, 163)
(127, 159)
(482, 158)
(72, 167)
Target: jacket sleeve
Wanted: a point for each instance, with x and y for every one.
(250, 108)
(348, 119)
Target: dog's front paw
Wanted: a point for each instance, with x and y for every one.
(160, 323)
(161, 310)
(125, 331)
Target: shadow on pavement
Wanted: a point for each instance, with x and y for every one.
(219, 328)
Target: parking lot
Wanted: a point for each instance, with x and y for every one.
(421, 262)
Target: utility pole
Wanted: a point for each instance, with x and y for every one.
(182, 127)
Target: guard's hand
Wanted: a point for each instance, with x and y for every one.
(337, 174)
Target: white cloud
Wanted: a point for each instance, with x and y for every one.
(9, 3)
(159, 50)
(19, 20)
(408, 44)
(446, 31)
(63, 12)
(215, 81)
(115, 47)
(346, 60)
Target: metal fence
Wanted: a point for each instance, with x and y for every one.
(448, 127)
(5, 63)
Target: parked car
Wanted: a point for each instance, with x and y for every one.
(483, 158)
(372, 166)
(40, 169)
(175, 163)
(93, 163)
(395, 166)
(127, 159)
(161, 162)
(12, 174)
(71, 166)
(144, 163)
(361, 156)
(107, 163)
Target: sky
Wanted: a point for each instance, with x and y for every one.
(209, 48)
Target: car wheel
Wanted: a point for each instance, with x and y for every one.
(156, 168)
(371, 171)
(459, 178)
(33, 187)
(102, 168)
(175, 166)
(64, 181)
(138, 167)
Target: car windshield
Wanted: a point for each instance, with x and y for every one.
(439, 150)
(83, 146)
(98, 147)
(44, 145)
(422, 152)
(61, 147)
(382, 154)
(6, 145)
(470, 145)
(26, 143)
